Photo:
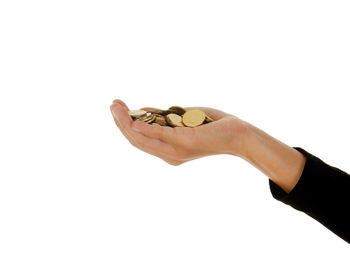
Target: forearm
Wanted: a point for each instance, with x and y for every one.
(280, 162)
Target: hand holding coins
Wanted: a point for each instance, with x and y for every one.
(224, 133)
(174, 116)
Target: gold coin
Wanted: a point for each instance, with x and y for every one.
(161, 120)
(145, 117)
(156, 111)
(177, 110)
(208, 119)
(174, 120)
(137, 113)
(151, 120)
(175, 116)
(193, 118)
(166, 112)
(148, 118)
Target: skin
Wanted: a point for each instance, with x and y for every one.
(228, 134)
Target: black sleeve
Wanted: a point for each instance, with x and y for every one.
(322, 192)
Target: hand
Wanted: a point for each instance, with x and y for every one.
(181, 144)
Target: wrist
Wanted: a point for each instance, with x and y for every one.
(239, 140)
(280, 162)
(249, 144)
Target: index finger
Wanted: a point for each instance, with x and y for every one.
(164, 133)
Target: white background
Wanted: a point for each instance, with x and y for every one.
(70, 182)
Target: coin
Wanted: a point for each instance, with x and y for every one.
(137, 113)
(145, 116)
(177, 110)
(161, 120)
(151, 120)
(174, 116)
(148, 118)
(174, 120)
(156, 111)
(193, 117)
(208, 119)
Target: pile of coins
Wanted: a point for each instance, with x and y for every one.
(174, 116)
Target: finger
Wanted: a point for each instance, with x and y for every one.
(137, 139)
(135, 143)
(121, 103)
(121, 114)
(164, 133)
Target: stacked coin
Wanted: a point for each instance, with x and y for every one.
(174, 116)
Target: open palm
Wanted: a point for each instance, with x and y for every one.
(180, 144)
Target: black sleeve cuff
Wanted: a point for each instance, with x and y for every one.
(279, 194)
(322, 192)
